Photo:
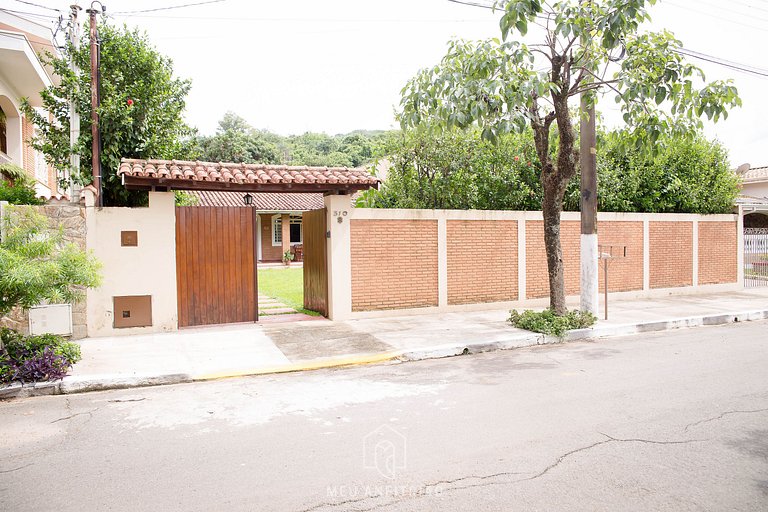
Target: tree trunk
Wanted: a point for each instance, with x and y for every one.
(552, 205)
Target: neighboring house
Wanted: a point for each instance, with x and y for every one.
(272, 210)
(754, 195)
(22, 75)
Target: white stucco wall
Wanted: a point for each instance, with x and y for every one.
(149, 269)
(755, 189)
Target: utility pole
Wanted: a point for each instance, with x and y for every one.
(95, 101)
(589, 246)
(74, 116)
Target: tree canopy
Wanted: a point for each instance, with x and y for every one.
(142, 104)
(586, 47)
(459, 170)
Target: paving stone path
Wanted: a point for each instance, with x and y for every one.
(270, 306)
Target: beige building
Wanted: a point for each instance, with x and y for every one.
(754, 195)
(23, 75)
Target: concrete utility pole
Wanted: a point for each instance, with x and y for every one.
(95, 101)
(589, 246)
(74, 116)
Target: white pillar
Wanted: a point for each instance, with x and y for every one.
(589, 276)
(740, 246)
(521, 255)
(646, 255)
(339, 254)
(442, 262)
(695, 255)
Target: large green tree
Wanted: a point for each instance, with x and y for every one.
(142, 103)
(236, 141)
(587, 46)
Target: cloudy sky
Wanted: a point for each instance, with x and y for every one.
(338, 65)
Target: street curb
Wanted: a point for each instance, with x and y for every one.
(82, 384)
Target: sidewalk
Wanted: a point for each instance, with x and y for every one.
(272, 347)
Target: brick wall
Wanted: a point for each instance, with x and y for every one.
(624, 274)
(269, 252)
(394, 264)
(717, 257)
(537, 275)
(482, 261)
(671, 254)
(28, 154)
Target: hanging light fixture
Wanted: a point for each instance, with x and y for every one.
(248, 199)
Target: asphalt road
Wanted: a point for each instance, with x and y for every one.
(675, 421)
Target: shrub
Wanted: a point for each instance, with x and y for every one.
(16, 187)
(547, 322)
(35, 358)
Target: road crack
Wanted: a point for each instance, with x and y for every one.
(723, 415)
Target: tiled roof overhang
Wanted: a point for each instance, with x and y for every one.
(187, 175)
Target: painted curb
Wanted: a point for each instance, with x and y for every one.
(85, 383)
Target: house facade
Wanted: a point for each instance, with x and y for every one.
(23, 75)
(274, 211)
(754, 195)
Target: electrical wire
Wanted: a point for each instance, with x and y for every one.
(168, 8)
(27, 13)
(38, 5)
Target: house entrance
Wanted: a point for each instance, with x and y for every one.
(216, 265)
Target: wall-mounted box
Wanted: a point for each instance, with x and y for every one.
(132, 311)
(129, 238)
(52, 318)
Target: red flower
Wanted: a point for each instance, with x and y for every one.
(529, 164)
(517, 158)
(130, 102)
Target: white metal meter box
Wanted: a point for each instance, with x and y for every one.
(52, 318)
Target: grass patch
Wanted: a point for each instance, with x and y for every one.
(285, 285)
(546, 322)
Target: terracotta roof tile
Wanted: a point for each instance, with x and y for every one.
(271, 202)
(755, 174)
(244, 174)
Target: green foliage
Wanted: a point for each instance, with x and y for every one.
(19, 354)
(287, 256)
(36, 264)
(140, 114)
(459, 170)
(687, 175)
(185, 198)
(547, 322)
(18, 187)
(236, 141)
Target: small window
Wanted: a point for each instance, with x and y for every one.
(295, 230)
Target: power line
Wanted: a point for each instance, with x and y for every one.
(38, 5)
(715, 60)
(168, 8)
(27, 13)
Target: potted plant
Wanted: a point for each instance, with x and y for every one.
(287, 257)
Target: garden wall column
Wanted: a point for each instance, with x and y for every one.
(338, 247)
(285, 223)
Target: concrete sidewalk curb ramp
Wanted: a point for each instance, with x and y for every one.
(81, 384)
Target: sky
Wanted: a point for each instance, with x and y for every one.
(338, 65)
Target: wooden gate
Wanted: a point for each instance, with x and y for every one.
(315, 261)
(216, 265)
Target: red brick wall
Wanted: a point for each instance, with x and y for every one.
(268, 251)
(394, 264)
(537, 280)
(28, 154)
(624, 274)
(482, 261)
(671, 254)
(718, 258)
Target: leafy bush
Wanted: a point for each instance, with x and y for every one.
(37, 265)
(547, 322)
(35, 358)
(185, 198)
(16, 187)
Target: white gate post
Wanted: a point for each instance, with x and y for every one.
(339, 255)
